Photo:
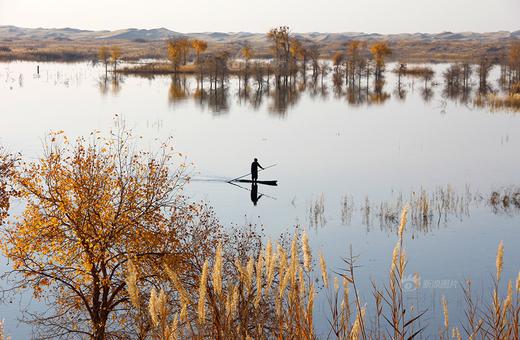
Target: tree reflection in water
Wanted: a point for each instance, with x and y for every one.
(460, 84)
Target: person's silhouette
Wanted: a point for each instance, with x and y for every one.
(254, 193)
(254, 170)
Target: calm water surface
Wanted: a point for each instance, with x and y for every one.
(344, 168)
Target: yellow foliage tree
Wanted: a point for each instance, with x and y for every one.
(380, 51)
(115, 56)
(174, 54)
(247, 53)
(104, 57)
(90, 207)
(200, 46)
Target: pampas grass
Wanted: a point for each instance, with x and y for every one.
(268, 295)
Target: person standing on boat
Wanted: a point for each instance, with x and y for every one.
(254, 170)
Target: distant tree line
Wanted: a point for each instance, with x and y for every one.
(293, 58)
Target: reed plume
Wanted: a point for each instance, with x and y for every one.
(152, 307)
(131, 284)
(306, 250)
(217, 271)
(201, 310)
(259, 274)
(402, 224)
(446, 314)
(324, 274)
(500, 259)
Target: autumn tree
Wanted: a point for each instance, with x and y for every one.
(353, 53)
(337, 61)
(483, 68)
(115, 56)
(295, 50)
(90, 207)
(514, 65)
(314, 55)
(380, 51)
(104, 57)
(174, 54)
(184, 46)
(299, 53)
(199, 46)
(247, 54)
(280, 40)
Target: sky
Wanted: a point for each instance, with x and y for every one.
(371, 16)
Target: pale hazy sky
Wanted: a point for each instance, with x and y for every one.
(384, 16)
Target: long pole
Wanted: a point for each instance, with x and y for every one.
(267, 167)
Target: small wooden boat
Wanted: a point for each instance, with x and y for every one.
(271, 183)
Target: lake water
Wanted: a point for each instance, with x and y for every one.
(344, 167)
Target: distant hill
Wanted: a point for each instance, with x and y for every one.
(13, 32)
(69, 44)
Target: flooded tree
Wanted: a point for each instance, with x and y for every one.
(301, 55)
(174, 54)
(184, 46)
(483, 68)
(324, 71)
(280, 45)
(400, 69)
(247, 54)
(217, 67)
(337, 62)
(353, 58)
(400, 91)
(452, 80)
(514, 67)
(314, 55)
(200, 46)
(298, 54)
(467, 70)
(380, 51)
(104, 57)
(115, 56)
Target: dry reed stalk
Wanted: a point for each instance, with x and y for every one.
(306, 250)
(324, 274)
(217, 271)
(259, 274)
(201, 308)
(500, 259)
(446, 314)
(357, 326)
(131, 284)
(152, 307)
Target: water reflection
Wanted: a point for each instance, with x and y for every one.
(461, 83)
(110, 85)
(426, 210)
(254, 194)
